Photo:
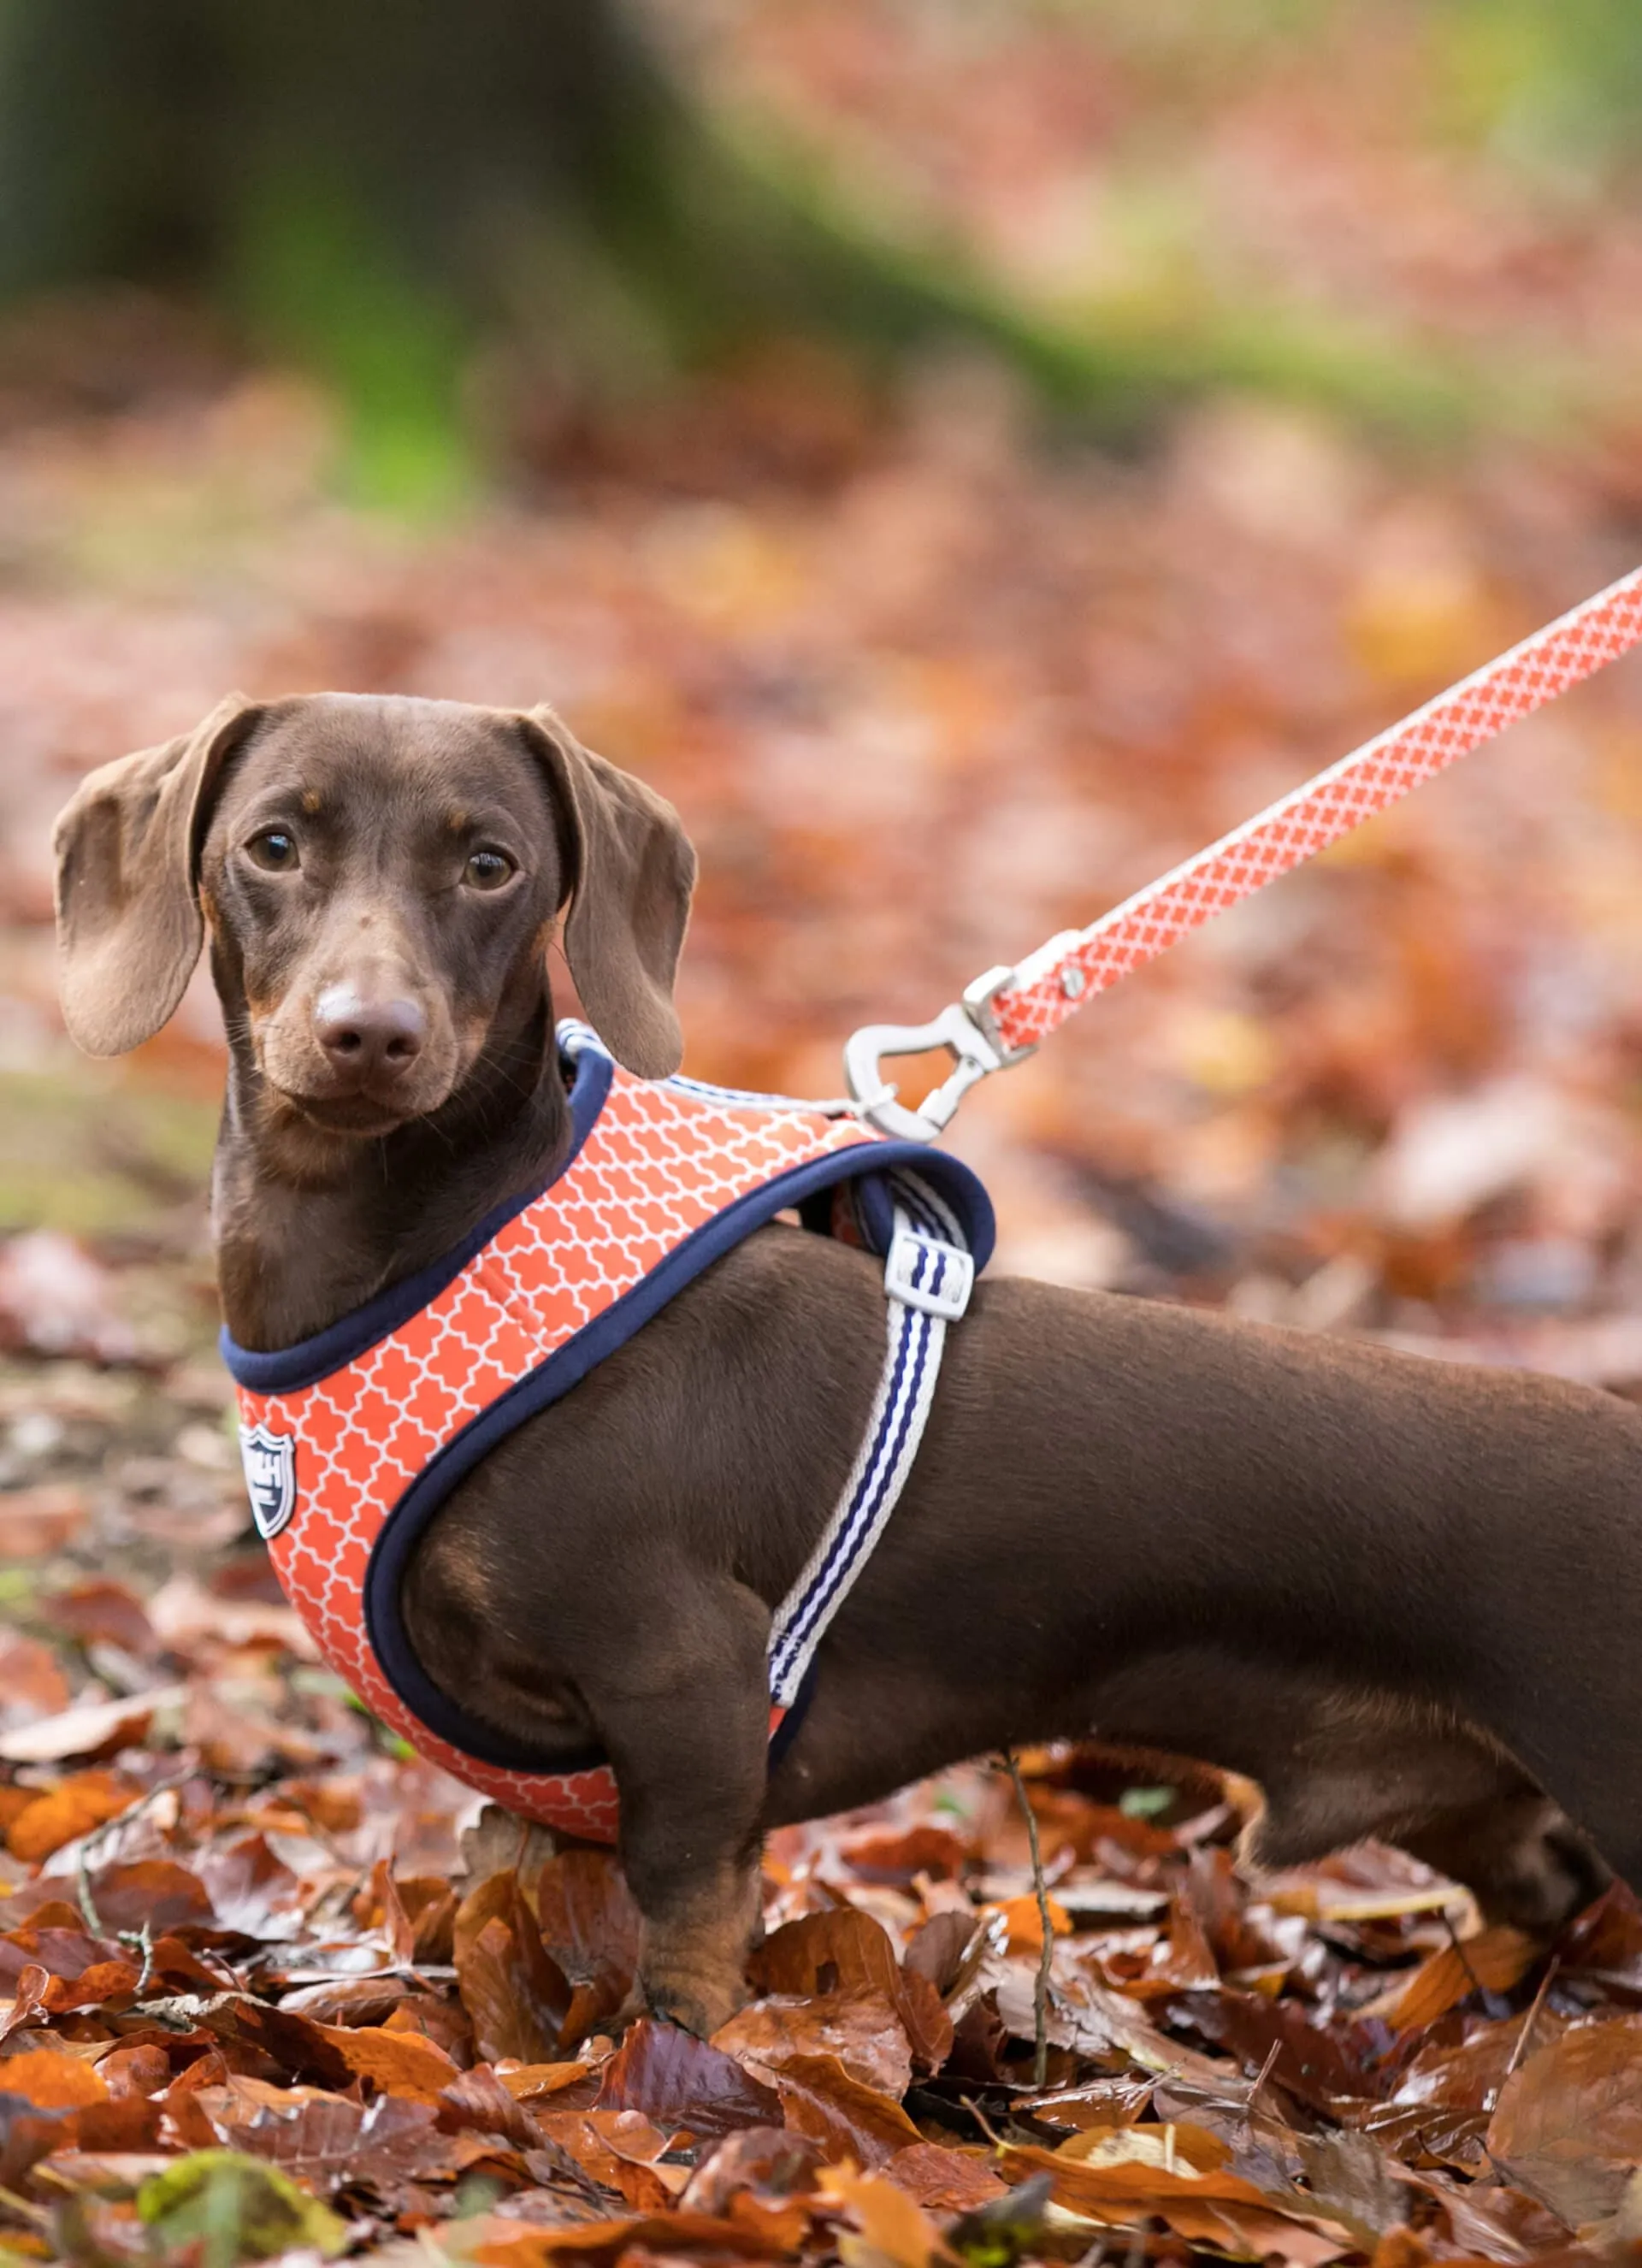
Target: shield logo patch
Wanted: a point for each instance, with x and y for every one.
(270, 1477)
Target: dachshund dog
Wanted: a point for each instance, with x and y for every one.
(1403, 1597)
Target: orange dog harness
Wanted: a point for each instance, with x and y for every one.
(353, 1439)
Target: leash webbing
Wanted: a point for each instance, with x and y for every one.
(1010, 1010)
(1046, 991)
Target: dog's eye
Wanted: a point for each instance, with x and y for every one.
(274, 849)
(487, 869)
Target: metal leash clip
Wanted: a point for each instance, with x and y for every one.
(964, 1027)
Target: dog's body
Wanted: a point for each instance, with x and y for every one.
(1401, 1596)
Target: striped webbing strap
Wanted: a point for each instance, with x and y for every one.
(928, 1278)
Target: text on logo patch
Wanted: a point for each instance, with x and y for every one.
(270, 1477)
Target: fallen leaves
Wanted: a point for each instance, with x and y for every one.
(683, 2082)
(60, 1815)
(515, 1993)
(1568, 2123)
(250, 1994)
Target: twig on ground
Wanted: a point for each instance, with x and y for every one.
(99, 1835)
(1465, 1959)
(1046, 1958)
(1261, 2077)
(1532, 2017)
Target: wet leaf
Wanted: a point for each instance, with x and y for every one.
(512, 1989)
(848, 2120)
(861, 2028)
(680, 2081)
(1569, 2123)
(887, 2223)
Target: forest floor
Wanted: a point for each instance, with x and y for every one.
(926, 683)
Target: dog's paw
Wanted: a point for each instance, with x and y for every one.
(693, 2007)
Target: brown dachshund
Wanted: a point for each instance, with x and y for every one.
(1403, 1597)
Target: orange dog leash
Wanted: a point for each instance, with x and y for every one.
(1005, 1014)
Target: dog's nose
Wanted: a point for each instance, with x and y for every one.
(367, 1038)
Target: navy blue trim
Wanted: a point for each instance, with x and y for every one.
(288, 1368)
(567, 1366)
(787, 1731)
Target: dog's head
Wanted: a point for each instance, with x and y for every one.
(380, 879)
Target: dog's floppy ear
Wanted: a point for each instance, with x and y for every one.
(128, 922)
(631, 874)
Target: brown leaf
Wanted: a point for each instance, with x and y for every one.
(766, 2160)
(510, 1986)
(861, 2028)
(329, 2145)
(1315, 2063)
(27, 2135)
(153, 1894)
(37, 1522)
(945, 2181)
(31, 1683)
(938, 1948)
(64, 1950)
(602, 2243)
(1569, 2122)
(619, 2150)
(52, 2082)
(877, 1857)
(680, 2081)
(252, 1889)
(97, 1728)
(1218, 2208)
(143, 2070)
(73, 1808)
(850, 2121)
(1494, 1961)
(476, 2100)
(890, 2225)
(591, 1928)
(393, 2062)
(845, 1951)
(100, 1609)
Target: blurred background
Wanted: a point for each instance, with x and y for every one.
(968, 456)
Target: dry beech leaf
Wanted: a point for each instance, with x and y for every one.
(602, 2243)
(32, 1684)
(512, 1987)
(37, 1522)
(97, 1728)
(945, 2181)
(27, 2135)
(888, 2224)
(766, 2160)
(100, 1609)
(155, 1894)
(478, 2100)
(393, 2062)
(861, 2027)
(1569, 2119)
(680, 2081)
(843, 1951)
(1495, 1960)
(1218, 2208)
(70, 1810)
(850, 2121)
(52, 2082)
(618, 2149)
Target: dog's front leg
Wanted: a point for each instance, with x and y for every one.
(688, 1736)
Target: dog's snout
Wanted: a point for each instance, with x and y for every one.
(368, 1038)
